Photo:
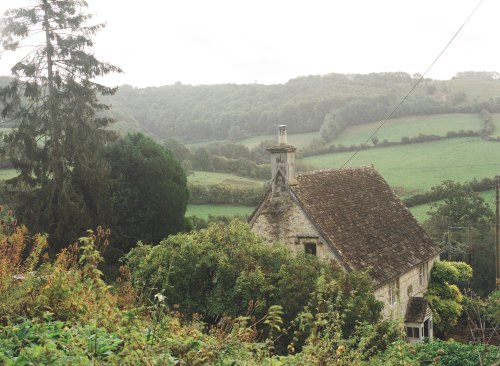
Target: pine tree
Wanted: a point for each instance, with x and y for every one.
(53, 98)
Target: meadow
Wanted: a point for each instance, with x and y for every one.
(417, 167)
(7, 174)
(204, 211)
(395, 129)
(210, 178)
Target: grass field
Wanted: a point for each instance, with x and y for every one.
(7, 174)
(208, 178)
(395, 129)
(204, 211)
(417, 167)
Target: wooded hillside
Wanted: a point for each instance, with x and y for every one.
(305, 104)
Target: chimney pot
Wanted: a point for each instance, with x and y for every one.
(282, 135)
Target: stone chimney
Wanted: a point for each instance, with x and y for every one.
(282, 163)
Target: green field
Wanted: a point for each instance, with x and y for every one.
(204, 211)
(420, 212)
(395, 129)
(417, 167)
(7, 174)
(209, 178)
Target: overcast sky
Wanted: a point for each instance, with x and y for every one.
(159, 42)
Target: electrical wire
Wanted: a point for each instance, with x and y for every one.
(414, 86)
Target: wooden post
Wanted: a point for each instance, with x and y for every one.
(469, 245)
(449, 243)
(497, 232)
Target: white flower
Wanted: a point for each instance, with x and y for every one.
(159, 297)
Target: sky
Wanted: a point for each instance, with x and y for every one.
(161, 42)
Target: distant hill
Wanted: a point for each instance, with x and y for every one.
(306, 104)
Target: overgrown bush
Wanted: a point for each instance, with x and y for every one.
(224, 270)
(444, 295)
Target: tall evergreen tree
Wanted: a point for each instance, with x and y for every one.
(53, 98)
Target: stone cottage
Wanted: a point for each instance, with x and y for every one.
(351, 216)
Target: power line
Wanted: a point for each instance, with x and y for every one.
(447, 166)
(414, 86)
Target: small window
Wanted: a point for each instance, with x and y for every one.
(310, 248)
(393, 292)
(412, 332)
(409, 290)
(422, 273)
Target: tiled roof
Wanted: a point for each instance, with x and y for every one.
(418, 310)
(363, 219)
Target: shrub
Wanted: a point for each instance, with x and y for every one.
(225, 269)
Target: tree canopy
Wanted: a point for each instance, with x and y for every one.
(149, 192)
(462, 223)
(53, 98)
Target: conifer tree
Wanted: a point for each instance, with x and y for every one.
(53, 99)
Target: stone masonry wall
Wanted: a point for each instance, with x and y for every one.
(410, 278)
(281, 219)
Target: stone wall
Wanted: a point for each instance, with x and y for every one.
(281, 219)
(409, 285)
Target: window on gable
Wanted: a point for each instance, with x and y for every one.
(310, 248)
(393, 292)
(309, 243)
(423, 270)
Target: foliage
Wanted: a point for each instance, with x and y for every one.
(470, 218)
(149, 195)
(482, 316)
(444, 295)
(62, 312)
(439, 353)
(225, 269)
(349, 298)
(53, 99)
(442, 191)
(341, 323)
(221, 193)
(461, 206)
(32, 286)
(198, 223)
(230, 158)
